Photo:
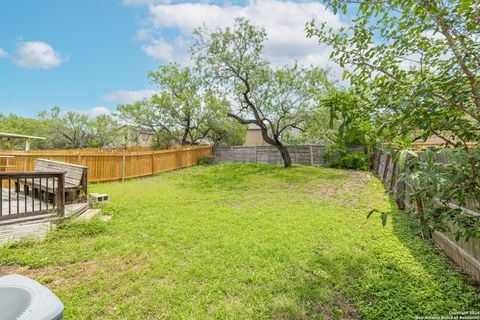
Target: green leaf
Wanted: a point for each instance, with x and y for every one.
(384, 218)
(402, 158)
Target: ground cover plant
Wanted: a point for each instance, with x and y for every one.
(243, 241)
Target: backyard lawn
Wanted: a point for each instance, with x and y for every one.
(243, 242)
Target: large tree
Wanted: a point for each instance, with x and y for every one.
(276, 100)
(105, 131)
(69, 129)
(27, 126)
(184, 111)
(415, 67)
(75, 130)
(340, 122)
(417, 62)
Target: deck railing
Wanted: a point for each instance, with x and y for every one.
(31, 193)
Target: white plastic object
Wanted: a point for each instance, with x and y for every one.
(22, 298)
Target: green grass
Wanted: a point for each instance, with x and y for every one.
(243, 242)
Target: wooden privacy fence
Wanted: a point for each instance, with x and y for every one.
(310, 155)
(114, 166)
(465, 253)
(113, 150)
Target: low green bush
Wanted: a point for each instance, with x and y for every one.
(356, 160)
(205, 160)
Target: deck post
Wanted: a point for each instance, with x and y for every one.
(61, 195)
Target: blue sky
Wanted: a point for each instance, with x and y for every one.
(90, 55)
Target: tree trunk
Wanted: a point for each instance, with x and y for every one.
(275, 141)
(287, 160)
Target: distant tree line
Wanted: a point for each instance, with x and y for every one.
(63, 130)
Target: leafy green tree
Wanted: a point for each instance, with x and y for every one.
(415, 69)
(105, 129)
(228, 132)
(416, 62)
(276, 100)
(69, 130)
(145, 116)
(184, 112)
(27, 126)
(73, 130)
(340, 122)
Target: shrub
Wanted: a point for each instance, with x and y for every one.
(356, 160)
(205, 160)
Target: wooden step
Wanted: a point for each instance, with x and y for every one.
(89, 214)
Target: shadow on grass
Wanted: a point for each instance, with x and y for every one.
(425, 251)
(381, 276)
(372, 285)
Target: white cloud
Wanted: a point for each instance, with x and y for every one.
(284, 22)
(159, 49)
(142, 35)
(91, 113)
(137, 2)
(96, 111)
(128, 96)
(38, 55)
(3, 53)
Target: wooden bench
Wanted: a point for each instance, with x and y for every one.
(75, 180)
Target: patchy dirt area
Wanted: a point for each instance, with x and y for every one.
(73, 274)
(344, 309)
(347, 191)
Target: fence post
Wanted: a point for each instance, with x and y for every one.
(393, 178)
(231, 149)
(379, 155)
(176, 158)
(311, 155)
(123, 167)
(385, 169)
(256, 154)
(79, 159)
(296, 154)
(153, 164)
